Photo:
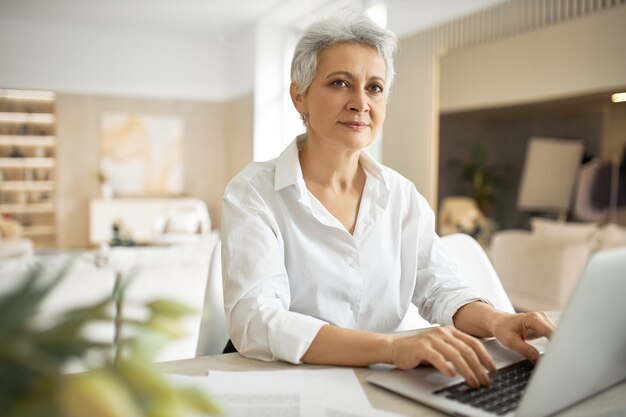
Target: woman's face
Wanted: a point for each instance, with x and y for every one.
(345, 104)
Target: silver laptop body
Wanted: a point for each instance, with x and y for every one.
(587, 353)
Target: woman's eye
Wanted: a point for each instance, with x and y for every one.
(340, 83)
(375, 88)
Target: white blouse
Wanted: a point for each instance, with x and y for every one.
(289, 266)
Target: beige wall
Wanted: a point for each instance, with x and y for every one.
(209, 152)
(238, 129)
(578, 57)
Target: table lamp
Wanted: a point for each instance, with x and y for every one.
(549, 174)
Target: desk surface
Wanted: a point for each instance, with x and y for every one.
(611, 402)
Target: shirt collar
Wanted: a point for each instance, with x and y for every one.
(289, 171)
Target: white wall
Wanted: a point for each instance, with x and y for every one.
(74, 58)
(269, 85)
(238, 67)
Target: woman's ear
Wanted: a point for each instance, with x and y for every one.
(297, 98)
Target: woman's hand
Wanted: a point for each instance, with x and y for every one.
(512, 330)
(441, 346)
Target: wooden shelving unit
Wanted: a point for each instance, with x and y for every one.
(28, 162)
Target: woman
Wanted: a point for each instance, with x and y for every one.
(324, 249)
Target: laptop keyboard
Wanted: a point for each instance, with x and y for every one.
(502, 396)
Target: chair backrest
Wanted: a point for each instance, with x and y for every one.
(213, 331)
(476, 269)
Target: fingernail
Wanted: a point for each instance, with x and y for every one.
(485, 380)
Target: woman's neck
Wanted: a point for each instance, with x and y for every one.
(330, 167)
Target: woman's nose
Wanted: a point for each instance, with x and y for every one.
(358, 102)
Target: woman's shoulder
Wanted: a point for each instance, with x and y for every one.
(397, 181)
(256, 175)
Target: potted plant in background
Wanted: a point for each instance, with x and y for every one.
(106, 188)
(482, 178)
(120, 381)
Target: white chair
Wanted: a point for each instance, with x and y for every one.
(476, 270)
(213, 331)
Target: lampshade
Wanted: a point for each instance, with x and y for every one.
(549, 174)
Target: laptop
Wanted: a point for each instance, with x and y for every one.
(586, 355)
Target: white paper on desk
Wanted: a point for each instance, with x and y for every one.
(324, 392)
(250, 394)
(342, 393)
(340, 386)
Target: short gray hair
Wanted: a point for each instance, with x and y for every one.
(346, 26)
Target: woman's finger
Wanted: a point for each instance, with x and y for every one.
(437, 360)
(484, 356)
(517, 343)
(539, 325)
(471, 358)
(458, 360)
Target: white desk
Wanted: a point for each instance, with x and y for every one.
(613, 399)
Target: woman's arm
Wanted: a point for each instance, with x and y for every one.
(446, 348)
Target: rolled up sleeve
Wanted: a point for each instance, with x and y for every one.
(256, 286)
(440, 291)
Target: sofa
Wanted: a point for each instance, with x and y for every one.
(149, 220)
(540, 268)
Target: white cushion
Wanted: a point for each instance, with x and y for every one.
(562, 231)
(612, 236)
(159, 223)
(183, 222)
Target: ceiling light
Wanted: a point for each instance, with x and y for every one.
(618, 97)
(27, 95)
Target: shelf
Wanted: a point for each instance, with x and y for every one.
(26, 185)
(35, 231)
(27, 140)
(27, 162)
(27, 95)
(27, 208)
(21, 117)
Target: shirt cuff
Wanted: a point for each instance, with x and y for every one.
(291, 334)
(453, 305)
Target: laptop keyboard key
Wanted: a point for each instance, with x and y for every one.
(502, 396)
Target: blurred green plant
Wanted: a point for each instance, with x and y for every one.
(482, 177)
(101, 177)
(124, 381)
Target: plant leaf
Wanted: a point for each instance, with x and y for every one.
(96, 394)
(170, 308)
(200, 401)
(17, 307)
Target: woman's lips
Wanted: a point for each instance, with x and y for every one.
(355, 125)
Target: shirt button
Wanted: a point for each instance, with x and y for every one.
(354, 307)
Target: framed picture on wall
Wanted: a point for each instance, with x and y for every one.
(142, 154)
